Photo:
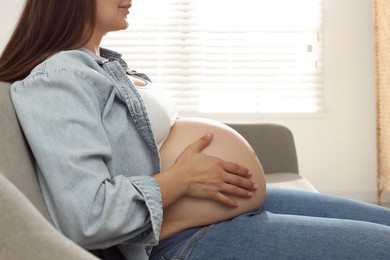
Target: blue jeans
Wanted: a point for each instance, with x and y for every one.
(295, 225)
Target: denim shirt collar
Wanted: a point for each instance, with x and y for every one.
(107, 55)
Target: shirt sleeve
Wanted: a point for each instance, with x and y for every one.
(60, 114)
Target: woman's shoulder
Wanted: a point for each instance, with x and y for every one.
(70, 59)
(65, 64)
(73, 72)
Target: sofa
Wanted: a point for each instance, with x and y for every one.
(25, 225)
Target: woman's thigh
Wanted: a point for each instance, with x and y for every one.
(264, 235)
(294, 202)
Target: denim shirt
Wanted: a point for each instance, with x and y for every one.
(94, 148)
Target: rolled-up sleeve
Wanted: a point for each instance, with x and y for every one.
(60, 113)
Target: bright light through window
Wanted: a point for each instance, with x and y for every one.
(229, 57)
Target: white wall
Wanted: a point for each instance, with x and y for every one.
(9, 13)
(337, 151)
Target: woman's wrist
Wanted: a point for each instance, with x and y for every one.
(172, 187)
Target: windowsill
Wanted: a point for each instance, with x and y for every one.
(256, 117)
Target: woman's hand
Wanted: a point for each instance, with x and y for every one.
(205, 177)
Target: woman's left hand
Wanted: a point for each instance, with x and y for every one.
(205, 177)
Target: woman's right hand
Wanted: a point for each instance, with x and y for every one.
(205, 177)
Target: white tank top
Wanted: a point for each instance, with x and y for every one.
(161, 110)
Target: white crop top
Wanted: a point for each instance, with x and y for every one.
(161, 110)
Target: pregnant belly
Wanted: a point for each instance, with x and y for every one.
(228, 145)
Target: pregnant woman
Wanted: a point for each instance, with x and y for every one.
(117, 168)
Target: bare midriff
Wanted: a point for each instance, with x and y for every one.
(226, 144)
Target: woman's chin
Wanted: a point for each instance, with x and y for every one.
(120, 26)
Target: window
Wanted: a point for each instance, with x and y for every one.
(221, 57)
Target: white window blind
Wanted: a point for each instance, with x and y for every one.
(228, 57)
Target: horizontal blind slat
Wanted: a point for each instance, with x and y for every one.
(271, 57)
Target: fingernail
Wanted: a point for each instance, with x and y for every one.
(209, 134)
(250, 174)
(256, 186)
(250, 194)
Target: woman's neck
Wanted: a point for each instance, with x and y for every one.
(93, 43)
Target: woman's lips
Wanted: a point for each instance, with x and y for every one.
(125, 8)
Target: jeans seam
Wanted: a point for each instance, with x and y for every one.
(192, 242)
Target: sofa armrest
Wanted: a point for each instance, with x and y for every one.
(16, 161)
(26, 234)
(274, 145)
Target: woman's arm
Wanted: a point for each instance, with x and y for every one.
(61, 115)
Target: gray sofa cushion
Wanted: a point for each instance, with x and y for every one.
(288, 180)
(274, 145)
(16, 160)
(26, 234)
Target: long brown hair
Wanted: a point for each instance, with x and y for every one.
(44, 28)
